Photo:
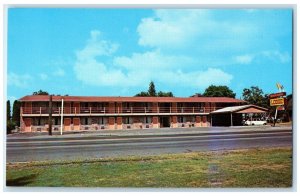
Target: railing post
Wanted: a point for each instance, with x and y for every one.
(58, 110)
(131, 109)
(170, 110)
(75, 110)
(90, 110)
(104, 110)
(145, 110)
(157, 109)
(118, 110)
(40, 110)
(193, 109)
(181, 109)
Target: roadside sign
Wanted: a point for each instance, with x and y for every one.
(277, 102)
(276, 95)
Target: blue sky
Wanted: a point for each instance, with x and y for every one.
(117, 52)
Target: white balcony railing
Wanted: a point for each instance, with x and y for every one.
(117, 110)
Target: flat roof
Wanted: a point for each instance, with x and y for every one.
(239, 109)
(43, 98)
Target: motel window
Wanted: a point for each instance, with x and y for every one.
(126, 120)
(148, 119)
(56, 121)
(101, 120)
(180, 119)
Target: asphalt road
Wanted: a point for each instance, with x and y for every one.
(95, 146)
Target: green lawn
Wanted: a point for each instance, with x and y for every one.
(269, 167)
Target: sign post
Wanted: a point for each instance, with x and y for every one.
(277, 99)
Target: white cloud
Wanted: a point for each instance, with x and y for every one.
(283, 57)
(181, 48)
(59, 72)
(96, 47)
(92, 71)
(197, 79)
(195, 29)
(17, 80)
(139, 68)
(43, 76)
(170, 28)
(244, 59)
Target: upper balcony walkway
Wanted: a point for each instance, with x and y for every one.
(125, 111)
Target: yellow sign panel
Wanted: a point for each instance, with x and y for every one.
(277, 101)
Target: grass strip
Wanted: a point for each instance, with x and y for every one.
(252, 168)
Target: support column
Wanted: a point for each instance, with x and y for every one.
(155, 108)
(111, 107)
(174, 107)
(174, 122)
(155, 122)
(204, 121)
(198, 121)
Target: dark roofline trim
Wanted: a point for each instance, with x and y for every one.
(45, 98)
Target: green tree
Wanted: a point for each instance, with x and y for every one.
(8, 111)
(256, 96)
(218, 91)
(289, 107)
(165, 94)
(16, 112)
(151, 90)
(40, 92)
(10, 125)
(142, 94)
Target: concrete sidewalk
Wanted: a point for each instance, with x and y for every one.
(134, 132)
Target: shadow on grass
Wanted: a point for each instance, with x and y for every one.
(21, 181)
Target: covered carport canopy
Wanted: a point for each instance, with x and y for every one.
(230, 116)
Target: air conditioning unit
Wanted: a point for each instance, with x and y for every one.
(55, 129)
(86, 128)
(102, 127)
(147, 126)
(193, 125)
(182, 125)
(38, 129)
(128, 126)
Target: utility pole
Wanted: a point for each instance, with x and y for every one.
(50, 115)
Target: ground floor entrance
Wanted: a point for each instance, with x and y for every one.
(164, 121)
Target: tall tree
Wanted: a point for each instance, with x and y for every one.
(256, 96)
(142, 94)
(218, 91)
(165, 94)
(8, 111)
(40, 92)
(151, 90)
(16, 112)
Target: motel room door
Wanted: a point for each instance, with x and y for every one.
(67, 124)
(27, 122)
(76, 123)
(164, 121)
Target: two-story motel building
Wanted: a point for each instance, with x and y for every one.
(98, 113)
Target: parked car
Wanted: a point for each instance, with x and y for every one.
(255, 121)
